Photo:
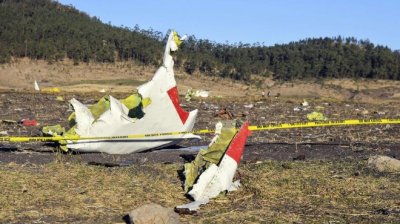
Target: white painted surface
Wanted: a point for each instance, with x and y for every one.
(160, 117)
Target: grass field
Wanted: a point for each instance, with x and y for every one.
(277, 192)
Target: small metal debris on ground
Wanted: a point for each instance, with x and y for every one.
(51, 90)
(189, 94)
(28, 122)
(198, 93)
(316, 116)
(248, 106)
(224, 113)
(305, 103)
(202, 93)
(5, 133)
(36, 86)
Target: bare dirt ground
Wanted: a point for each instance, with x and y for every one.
(310, 175)
(294, 175)
(310, 143)
(126, 76)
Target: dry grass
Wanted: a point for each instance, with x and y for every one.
(300, 192)
(118, 77)
(126, 76)
(76, 192)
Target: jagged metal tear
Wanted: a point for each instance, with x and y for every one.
(218, 178)
(164, 114)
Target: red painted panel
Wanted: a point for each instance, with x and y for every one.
(236, 148)
(173, 95)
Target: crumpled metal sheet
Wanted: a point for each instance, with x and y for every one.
(155, 109)
(210, 155)
(218, 178)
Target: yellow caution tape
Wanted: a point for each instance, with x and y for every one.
(323, 124)
(204, 131)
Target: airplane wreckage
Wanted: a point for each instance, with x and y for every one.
(155, 114)
(154, 109)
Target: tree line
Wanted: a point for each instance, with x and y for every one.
(48, 30)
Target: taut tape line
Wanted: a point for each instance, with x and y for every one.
(205, 131)
(324, 124)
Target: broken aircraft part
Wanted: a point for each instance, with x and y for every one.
(155, 109)
(219, 175)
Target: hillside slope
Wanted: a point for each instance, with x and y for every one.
(48, 30)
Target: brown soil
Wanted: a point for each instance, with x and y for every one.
(126, 76)
(310, 175)
(328, 143)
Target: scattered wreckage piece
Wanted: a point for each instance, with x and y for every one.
(36, 86)
(154, 109)
(224, 133)
(28, 122)
(46, 89)
(198, 93)
(316, 116)
(218, 175)
(202, 93)
(225, 114)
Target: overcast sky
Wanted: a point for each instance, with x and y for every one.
(264, 21)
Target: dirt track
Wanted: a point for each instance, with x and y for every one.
(355, 142)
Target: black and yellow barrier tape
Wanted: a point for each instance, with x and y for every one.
(324, 124)
(204, 131)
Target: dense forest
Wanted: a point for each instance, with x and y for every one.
(45, 29)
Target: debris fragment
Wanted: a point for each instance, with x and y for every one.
(154, 109)
(189, 94)
(3, 133)
(219, 174)
(60, 98)
(316, 116)
(201, 93)
(305, 103)
(55, 130)
(248, 106)
(224, 133)
(198, 93)
(302, 107)
(36, 86)
(51, 90)
(224, 114)
(365, 112)
(28, 122)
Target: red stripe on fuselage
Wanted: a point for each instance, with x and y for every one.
(173, 95)
(236, 148)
